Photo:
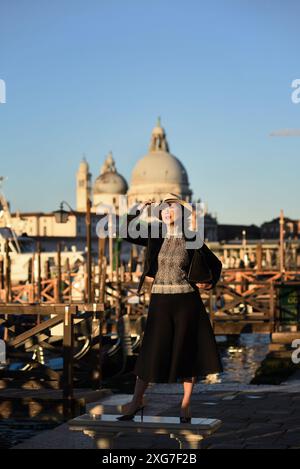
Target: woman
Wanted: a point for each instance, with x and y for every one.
(178, 343)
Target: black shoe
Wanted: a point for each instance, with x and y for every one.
(130, 416)
(185, 419)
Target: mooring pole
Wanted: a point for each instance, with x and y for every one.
(281, 242)
(39, 271)
(67, 379)
(7, 274)
(59, 299)
(89, 250)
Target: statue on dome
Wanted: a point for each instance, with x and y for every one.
(109, 165)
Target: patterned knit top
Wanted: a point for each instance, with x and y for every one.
(172, 258)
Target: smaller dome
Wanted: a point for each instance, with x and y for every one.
(110, 182)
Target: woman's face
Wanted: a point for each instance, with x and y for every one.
(171, 213)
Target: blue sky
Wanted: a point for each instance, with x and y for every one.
(92, 76)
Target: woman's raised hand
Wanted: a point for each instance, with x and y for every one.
(149, 202)
(144, 204)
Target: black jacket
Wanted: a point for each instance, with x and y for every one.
(204, 265)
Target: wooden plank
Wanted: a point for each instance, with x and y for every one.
(41, 309)
(91, 307)
(285, 337)
(21, 339)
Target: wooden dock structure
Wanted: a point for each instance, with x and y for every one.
(36, 338)
(46, 316)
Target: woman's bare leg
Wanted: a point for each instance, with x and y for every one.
(187, 392)
(140, 388)
(137, 399)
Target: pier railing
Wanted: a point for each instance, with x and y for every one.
(235, 308)
(244, 296)
(66, 288)
(253, 306)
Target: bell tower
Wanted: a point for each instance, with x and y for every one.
(83, 185)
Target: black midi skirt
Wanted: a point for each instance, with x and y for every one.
(178, 341)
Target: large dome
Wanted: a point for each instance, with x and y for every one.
(159, 166)
(159, 172)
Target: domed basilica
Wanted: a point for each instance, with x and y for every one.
(154, 175)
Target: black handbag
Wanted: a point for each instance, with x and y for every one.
(199, 271)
